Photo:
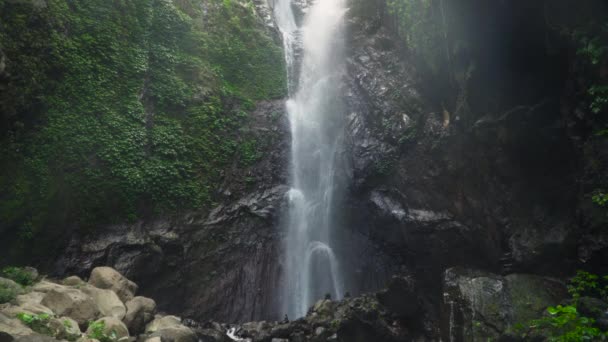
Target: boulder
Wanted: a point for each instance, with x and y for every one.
(72, 303)
(46, 286)
(110, 325)
(162, 322)
(154, 339)
(176, 333)
(108, 278)
(73, 281)
(30, 308)
(36, 338)
(140, 311)
(9, 289)
(480, 305)
(30, 298)
(87, 339)
(108, 302)
(65, 328)
(12, 328)
(170, 329)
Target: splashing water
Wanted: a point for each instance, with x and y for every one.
(316, 116)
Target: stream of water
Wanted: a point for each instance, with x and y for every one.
(316, 115)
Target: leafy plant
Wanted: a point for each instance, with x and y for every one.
(599, 95)
(588, 284)
(564, 324)
(121, 110)
(38, 323)
(97, 331)
(600, 198)
(18, 275)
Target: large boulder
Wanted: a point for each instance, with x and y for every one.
(111, 325)
(108, 302)
(10, 329)
(170, 329)
(109, 278)
(140, 311)
(28, 303)
(483, 306)
(163, 322)
(177, 333)
(29, 308)
(72, 303)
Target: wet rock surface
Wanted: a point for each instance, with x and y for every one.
(481, 305)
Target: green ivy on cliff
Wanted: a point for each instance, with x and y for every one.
(117, 110)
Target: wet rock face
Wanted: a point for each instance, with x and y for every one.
(480, 305)
(221, 264)
(494, 190)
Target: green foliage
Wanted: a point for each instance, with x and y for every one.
(97, 331)
(18, 275)
(249, 152)
(120, 110)
(600, 198)
(591, 47)
(38, 323)
(599, 95)
(589, 285)
(563, 323)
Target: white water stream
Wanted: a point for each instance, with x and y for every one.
(316, 115)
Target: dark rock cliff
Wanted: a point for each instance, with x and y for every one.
(495, 178)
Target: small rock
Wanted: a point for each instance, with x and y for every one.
(153, 339)
(109, 278)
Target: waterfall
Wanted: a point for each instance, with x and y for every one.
(316, 114)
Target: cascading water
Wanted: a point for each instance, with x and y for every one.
(316, 115)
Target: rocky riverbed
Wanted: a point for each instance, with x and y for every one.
(106, 308)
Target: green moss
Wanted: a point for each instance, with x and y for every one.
(120, 110)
